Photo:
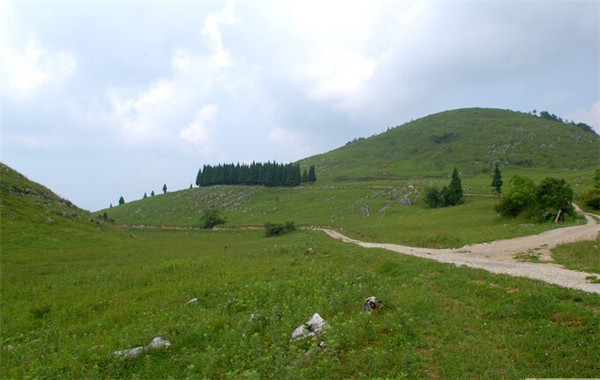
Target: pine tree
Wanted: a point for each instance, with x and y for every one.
(304, 176)
(145, 196)
(164, 188)
(152, 193)
(121, 200)
(453, 194)
(497, 180)
(312, 176)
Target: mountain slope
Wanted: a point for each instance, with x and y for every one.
(473, 139)
(31, 214)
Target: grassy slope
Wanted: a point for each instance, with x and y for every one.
(472, 139)
(74, 291)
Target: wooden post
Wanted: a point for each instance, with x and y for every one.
(558, 214)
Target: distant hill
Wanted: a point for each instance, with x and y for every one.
(473, 139)
(32, 213)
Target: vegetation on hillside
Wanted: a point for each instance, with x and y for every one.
(268, 174)
(450, 195)
(474, 139)
(551, 200)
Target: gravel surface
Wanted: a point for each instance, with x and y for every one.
(497, 256)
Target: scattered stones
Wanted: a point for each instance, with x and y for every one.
(155, 344)
(315, 326)
(371, 304)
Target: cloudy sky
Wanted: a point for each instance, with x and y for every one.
(103, 99)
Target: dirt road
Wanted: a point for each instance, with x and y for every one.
(497, 256)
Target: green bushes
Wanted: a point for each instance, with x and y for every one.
(276, 229)
(450, 195)
(211, 218)
(551, 198)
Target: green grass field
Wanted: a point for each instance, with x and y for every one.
(67, 308)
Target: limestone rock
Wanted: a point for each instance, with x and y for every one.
(315, 326)
(134, 352)
(371, 304)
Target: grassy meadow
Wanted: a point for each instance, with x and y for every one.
(75, 288)
(66, 308)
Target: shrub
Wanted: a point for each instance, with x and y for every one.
(433, 198)
(276, 229)
(211, 218)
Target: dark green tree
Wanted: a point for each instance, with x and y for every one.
(452, 195)
(497, 180)
(520, 200)
(121, 200)
(164, 188)
(312, 176)
(554, 197)
(304, 177)
(145, 196)
(433, 198)
(152, 193)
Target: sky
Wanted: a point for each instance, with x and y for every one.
(102, 99)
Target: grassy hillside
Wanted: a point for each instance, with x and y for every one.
(472, 139)
(74, 291)
(34, 215)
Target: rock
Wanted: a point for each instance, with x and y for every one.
(310, 250)
(130, 353)
(371, 304)
(155, 344)
(192, 300)
(315, 326)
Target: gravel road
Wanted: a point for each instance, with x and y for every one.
(497, 256)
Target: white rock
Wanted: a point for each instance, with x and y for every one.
(192, 300)
(157, 343)
(315, 325)
(130, 353)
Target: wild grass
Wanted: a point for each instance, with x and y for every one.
(66, 309)
(583, 256)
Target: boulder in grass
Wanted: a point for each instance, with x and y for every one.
(155, 344)
(371, 304)
(315, 326)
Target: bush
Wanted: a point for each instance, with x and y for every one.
(433, 198)
(541, 203)
(211, 218)
(276, 229)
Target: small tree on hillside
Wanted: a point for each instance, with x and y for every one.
(121, 200)
(497, 180)
(312, 176)
(452, 195)
(152, 193)
(164, 188)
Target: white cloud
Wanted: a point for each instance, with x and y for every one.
(341, 75)
(197, 132)
(291, 142)
(35, 67)
(212, 28)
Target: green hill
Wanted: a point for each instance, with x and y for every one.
(34, 215)
(369, 187)
(472, 139)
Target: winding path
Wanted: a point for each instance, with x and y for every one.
(497, 256)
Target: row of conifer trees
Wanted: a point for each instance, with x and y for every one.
(267, 174)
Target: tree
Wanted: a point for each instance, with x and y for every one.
(304, 177)
(433, 198)
(497, 180)
(554, 197)
(152, 193)
(520, 200)
(592, 198)
(121, 200)
(452, 195)
(145, 196)
(165, 188)
(312, 176)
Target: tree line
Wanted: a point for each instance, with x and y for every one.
(267, 174)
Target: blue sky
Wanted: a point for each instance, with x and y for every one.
(102, 99)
